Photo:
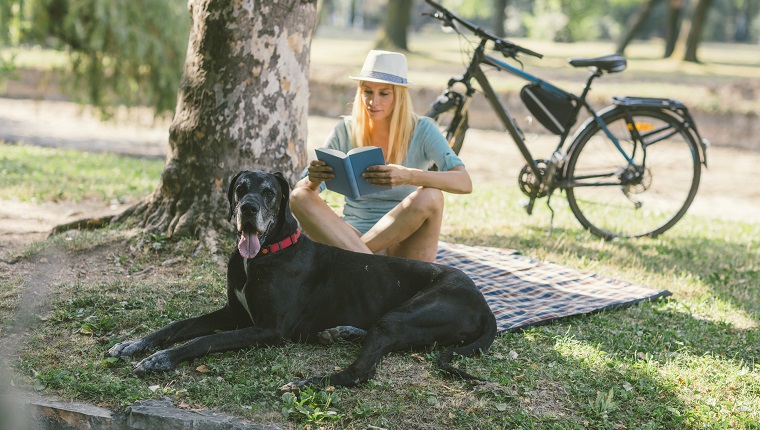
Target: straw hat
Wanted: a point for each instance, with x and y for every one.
(384, 66)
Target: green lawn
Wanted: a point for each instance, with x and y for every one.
(688, 362)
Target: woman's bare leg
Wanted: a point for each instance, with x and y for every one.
(321, 223)
(412, 228)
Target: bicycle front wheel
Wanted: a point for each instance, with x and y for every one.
(453, 125)
(641, 188)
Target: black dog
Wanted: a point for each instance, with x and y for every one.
(281, 286)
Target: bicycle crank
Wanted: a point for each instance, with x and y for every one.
(530, 185)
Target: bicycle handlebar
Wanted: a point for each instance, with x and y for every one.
(506, 47)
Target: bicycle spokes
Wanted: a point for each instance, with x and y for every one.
(641, 195)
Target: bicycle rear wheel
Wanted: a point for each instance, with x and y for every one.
(614, 198)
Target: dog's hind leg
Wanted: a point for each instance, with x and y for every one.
(343, 332)
(414, 324)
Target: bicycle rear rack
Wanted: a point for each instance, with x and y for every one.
(672, 105)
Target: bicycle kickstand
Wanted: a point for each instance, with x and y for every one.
(551, 220)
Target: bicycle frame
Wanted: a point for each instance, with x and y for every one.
(475, 71)
(647, 120)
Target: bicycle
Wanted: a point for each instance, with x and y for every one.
(632, 169)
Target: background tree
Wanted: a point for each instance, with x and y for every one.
(121, 53)
(499, 16)
(698, 20)
(635, 24)
(242, 104)
(243, 94)
(395, 26)
(692, 28)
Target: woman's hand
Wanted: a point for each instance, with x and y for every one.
(319, 171)
(456, 180)
(389, 174)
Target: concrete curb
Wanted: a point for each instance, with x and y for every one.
(24, 411)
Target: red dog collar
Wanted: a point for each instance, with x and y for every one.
(279, 246)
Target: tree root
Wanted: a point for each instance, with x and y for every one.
(83, 224)
(150, 218)
(94, 223)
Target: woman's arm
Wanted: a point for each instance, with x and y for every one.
(319, 172)
(456, 180)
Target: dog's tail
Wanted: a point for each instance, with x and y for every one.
(480, 345)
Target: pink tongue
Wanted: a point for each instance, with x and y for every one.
(249, 245)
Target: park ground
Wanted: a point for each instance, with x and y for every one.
(705, 270)
(726, 190)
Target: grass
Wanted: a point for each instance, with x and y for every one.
(689, 362)
(35, 174)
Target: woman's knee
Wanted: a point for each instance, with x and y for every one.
(301, 198)
(428, 199)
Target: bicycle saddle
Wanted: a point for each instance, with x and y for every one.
(609, 63)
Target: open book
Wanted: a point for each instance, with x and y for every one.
(348, 169)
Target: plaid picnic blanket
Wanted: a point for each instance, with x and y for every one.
(523, 292)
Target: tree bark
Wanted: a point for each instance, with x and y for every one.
(634, 25)
(242, 105)
(672, 26)
(499, 16)
(397, 18)
(695, 32)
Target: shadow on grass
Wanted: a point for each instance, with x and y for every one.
(728, 271)
(645, 367)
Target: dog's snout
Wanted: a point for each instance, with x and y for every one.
(248, 208)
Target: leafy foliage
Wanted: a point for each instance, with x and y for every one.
(121, 52)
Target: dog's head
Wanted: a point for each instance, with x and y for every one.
(259, 209)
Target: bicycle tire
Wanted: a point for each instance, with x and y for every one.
(608, 208)
(454, 134)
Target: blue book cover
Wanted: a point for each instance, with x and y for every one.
(348, 169)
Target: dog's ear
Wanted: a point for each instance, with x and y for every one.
(231, 193)
(284, 191)
(284, 185)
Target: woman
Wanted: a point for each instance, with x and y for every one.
(405, 220)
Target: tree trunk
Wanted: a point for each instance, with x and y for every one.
(499, 16)
(695, 32)
(672, 26)
(397, 18)
(242, 105)
(634, 25)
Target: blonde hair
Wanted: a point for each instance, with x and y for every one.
(403, 122)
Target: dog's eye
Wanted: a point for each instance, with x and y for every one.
(267, 193)
(241, 190)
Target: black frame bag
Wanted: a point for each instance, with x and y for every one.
(552, 110)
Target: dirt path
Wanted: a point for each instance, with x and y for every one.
(726, 191)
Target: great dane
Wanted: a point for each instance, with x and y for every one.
(284, 287)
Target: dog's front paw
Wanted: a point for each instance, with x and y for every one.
(291, 387)
(296, 387)
(127, 348)
(157, 362)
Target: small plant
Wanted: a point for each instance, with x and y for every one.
(311, 406)
(604, 404)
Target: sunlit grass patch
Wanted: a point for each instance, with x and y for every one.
(36, 174)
